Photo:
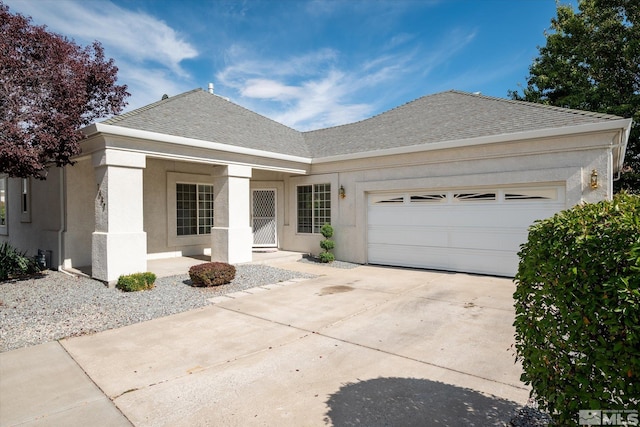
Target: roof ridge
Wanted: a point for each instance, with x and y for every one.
(258, 114)
(119, 117)
(543, 106)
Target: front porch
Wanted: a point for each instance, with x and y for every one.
(143, 195)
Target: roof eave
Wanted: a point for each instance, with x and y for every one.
(102, 128)
(619, 154)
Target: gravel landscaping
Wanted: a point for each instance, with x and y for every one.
(54, 305)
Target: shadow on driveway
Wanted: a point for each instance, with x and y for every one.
(415, 402)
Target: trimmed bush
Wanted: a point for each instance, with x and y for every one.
(327, 244)
(326, 257)
(14, 263)
(212, 274)
(136, 282)
(578, 309)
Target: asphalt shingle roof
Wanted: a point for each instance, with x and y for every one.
(197, 114)
(444, 116)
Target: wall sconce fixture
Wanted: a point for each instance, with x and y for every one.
(342, 193)
(594, 179)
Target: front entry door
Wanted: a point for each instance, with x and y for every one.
(264, 218)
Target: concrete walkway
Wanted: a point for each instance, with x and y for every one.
(366, 346)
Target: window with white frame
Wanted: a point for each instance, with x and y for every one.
(3, 205)
(25, 200)
(194, 209)
(314, 207)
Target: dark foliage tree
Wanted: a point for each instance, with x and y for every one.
(50, 87)
(592, 62)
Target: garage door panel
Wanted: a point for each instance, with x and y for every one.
(405, 215)
(450, 259)
(457, 237)
(501, 263)
(459, 216)
(408, 235)
(408, 256)
(498, 239)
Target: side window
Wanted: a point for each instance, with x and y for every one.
(25, 200)
(3, 205)
(313, 207)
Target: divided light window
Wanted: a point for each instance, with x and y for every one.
(25, 200)
(3, 202)
(194, 209)
(314, 207)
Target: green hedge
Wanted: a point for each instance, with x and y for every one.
(578, 309)
(212, 274)
(136, 282)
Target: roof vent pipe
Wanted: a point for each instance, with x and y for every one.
(210, 87)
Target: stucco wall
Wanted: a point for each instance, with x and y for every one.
(42, 227)
(566, 161)
(159, 207)
(80, 221)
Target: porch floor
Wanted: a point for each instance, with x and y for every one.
(180, 265)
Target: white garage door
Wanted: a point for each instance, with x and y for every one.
(475, 231)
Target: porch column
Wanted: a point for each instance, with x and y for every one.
(231, 235)
(119, 243)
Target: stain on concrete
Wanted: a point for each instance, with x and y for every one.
(329, 290)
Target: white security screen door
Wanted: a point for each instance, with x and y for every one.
(264, 218)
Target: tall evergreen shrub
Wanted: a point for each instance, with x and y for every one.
(578, 309)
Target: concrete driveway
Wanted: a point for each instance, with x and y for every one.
(366, 346)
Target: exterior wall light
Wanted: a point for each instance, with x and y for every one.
(594, 179)
(342, 193)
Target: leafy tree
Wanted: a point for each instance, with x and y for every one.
(50, 87)
(592, 62)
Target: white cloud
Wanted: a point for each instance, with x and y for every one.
(147, 52)
(126, 34)
(269, 89)
(305, 92)
(454, 42)
(322, 88)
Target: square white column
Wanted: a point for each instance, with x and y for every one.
(119, 243)
(231, 235)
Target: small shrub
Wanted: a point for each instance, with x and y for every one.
(326, 257)
(14, 263)
(212, 274)
(136, 282)
(578, 309)
(327, 244)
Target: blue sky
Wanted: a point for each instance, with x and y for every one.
(307, 64)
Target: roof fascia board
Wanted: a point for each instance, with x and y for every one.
(191, 142)
(621, 150)
(217, 162)
(612, 125)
